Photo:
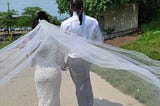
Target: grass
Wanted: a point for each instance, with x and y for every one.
(149, 44)
(10, 39)
(130, 84)
(5, 44)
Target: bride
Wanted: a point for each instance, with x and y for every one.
(47, 73)
(46, 47)
(46, 57)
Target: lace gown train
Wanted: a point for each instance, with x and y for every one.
(47, 82)
(47, 76)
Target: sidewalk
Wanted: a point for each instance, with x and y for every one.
(20, 91)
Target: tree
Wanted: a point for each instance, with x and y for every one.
(54, 20)
(31, 11)
(24, 21)
(148, 10)
(63, 6)
(28, 15)
(7, 19)
(93, 7)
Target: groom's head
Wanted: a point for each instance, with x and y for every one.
(76, 5)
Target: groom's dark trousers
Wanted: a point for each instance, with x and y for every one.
(79, 70)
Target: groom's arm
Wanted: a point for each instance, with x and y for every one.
(97, 33)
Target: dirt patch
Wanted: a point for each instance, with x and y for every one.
(120, 41)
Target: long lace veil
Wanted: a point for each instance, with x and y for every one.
(19, 54)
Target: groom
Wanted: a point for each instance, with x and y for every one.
(88, 28)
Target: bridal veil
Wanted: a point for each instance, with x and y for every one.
(19, 54)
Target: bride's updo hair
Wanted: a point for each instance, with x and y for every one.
(41, 15)
(77, 5)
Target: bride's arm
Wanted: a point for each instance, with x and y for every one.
(61, 56)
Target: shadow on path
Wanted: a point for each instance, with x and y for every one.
(103, 102)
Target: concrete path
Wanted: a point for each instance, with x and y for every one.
(20, 91)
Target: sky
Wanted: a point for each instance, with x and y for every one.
(49, 6)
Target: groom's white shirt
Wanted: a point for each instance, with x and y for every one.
(89, 29)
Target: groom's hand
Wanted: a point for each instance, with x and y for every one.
(63, 68)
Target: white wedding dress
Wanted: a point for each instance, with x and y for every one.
(48, 74)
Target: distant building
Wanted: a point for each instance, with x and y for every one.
(15, 17)
(121, 21)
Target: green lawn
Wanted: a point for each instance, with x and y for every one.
(130, 84)
(149, 43)
(10, 37)
(5, 44)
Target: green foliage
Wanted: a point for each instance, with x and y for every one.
(148, 9)
(5, 44)
(93, 7)
(28, 16)
(6, 18)
(31, 11)
(24, 21)
(149, 41)
(54, 20)
(97, 7)
(63, 6)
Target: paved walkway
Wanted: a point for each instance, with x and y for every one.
(20, 91)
